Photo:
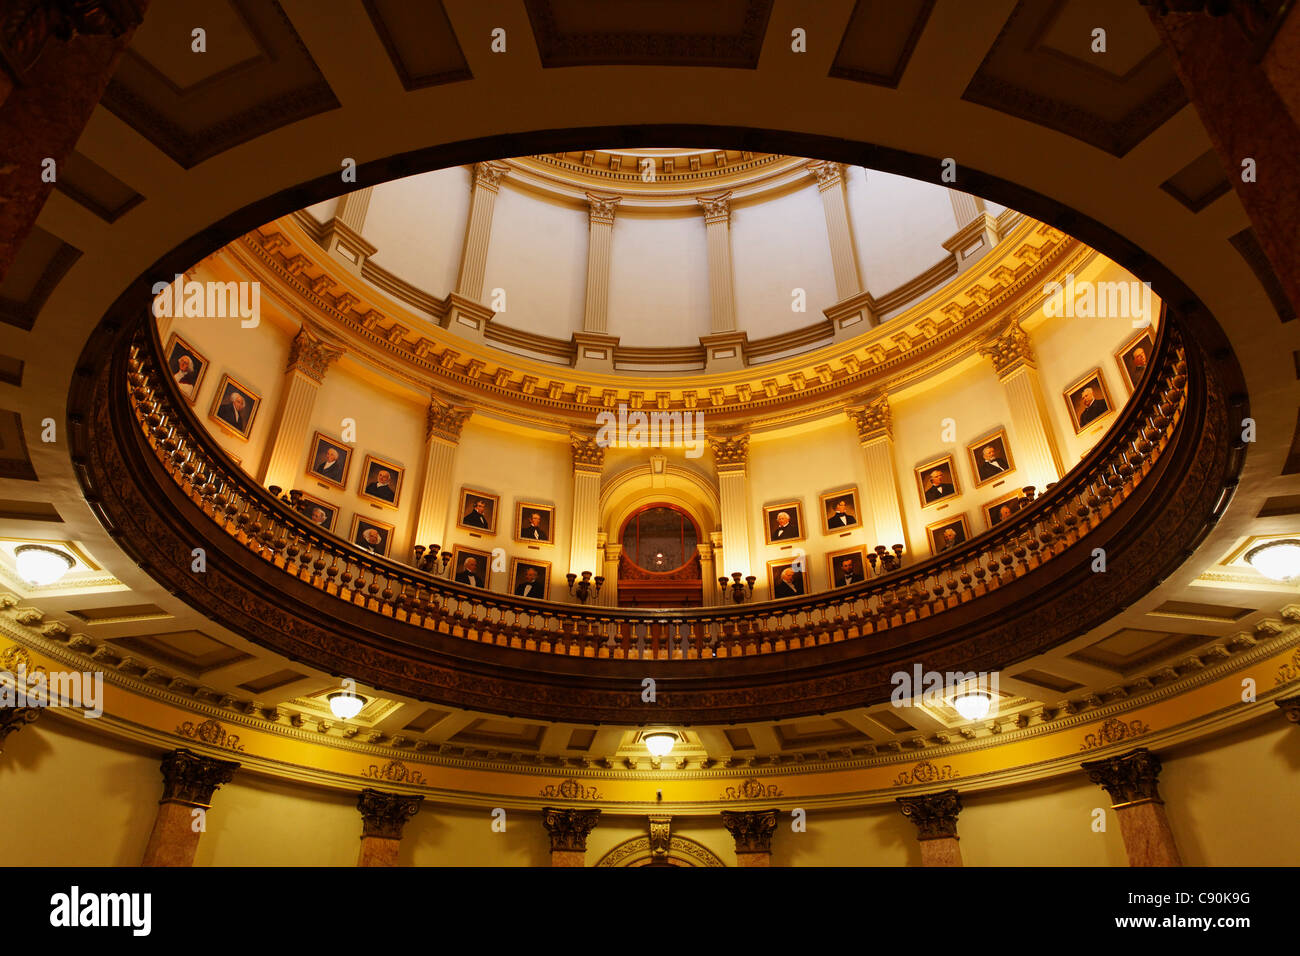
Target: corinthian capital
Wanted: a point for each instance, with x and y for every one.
(1009, 350)
(311, 355)
(730, 452)
(873, 419)
(569, 828)
(826, 174)
(602, 208)
(935, 814)
(489, 175)
(445, 420)
(1128, 778)
(752, 830)
(191, 779)
(588, 454)
(385, 814)
(716, 208)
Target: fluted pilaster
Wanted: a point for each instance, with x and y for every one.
(722, 298)
(310, 357)
(478, 229)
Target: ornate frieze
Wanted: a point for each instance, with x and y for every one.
(924, 772)
(191, 779)
(311, 355)
(872, 420)
(935, 814)
(752, 830)
(601, 208)
(395, 772)
(210, 732)
(1112, 731)
(588, 454)
(730, 452)
(716, 208)
(1009, 350)
(1128, 778)
(569, 789)
(751, 789)
(385, 814)
(569, 829)
(445, 420)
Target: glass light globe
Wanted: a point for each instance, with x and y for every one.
(40, 565)
(346, 706)
(1278, 560)
(973, 705)
(660, 743)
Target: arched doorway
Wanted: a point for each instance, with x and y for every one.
(660, 561)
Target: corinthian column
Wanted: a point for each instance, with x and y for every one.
(442, 429)
(1037, 456)
(875, 433)
(935, 816)
(569, 830)
(1130, 779)
(310, 357)
(731, 459)
(478, 229)
(752, 832)
(600, 240)
(588, 463)
(188, 784)
(717, 225)
(383, 817)
(830, 183)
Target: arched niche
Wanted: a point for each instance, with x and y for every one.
(681, 852)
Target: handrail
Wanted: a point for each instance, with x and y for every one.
(1039, 532)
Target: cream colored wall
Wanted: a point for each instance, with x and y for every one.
(1042, 824)
(672, 308)
(538, 256)
(418, 225)
(455, 836)
(870, 836)
(899, 225)
(780, 244)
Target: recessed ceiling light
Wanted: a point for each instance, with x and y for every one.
(1278, 560)
(973, 705)
(660, 742)
(40, 565)
(346, 705)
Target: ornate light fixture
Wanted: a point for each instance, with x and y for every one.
(40, 565)
(584, 589)
(888, 562)
(1277, 560)
(738, 591)
(345, 704)
(659, 742)
(973, 705)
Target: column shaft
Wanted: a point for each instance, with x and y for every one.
(600, 243)
(882, 492)
(586, 521)
(722, 299)
(733, 494)
(188, 784)
(844, 260)
(284, 456)
(965, 207)
(478, 230)
(443, 426)
(353, 208)
(1037, 455)
(1131, 780)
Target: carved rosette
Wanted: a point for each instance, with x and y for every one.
(311, 355)
(602, 208)
(730, 452)
(872, 420)
(826, 174)
(445, 420)
(489, 175)
(385, 814)
(716, 208)
(569, 828)
(661, 836)
(1291, 708)
(1128, 778)
(588, 454)
(935, 814)
(752, 830)
(1009, 350)
(191, 779)
(15, 718)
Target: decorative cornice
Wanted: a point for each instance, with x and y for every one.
(588, 454)
(935, 814)
(873, 420)
(569, 828)
(716, 208)
(1129, 778)
(191, 779)
(730, 452)
(601, 208)
(828, 175)
(752, 830)
(445, 420)
(311, 355)
(1009, 349)
(489, 175)
(384, 814)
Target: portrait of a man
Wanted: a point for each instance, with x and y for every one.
(948, 534)
(847, 567)
(839, 511)
(319, 513)
(372, 537)
(937, 481)
(186, 366)
(1088, 400)
(990, 458)
(471, 568)
(381, 481)
(784, 580)
(1133, 359)
(235, 406)
(329, 460)
(478, 510)
(530, 579)
(534, 523)
(784, 522)
(999, 511)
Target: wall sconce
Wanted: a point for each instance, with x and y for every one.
(738, 591)
(584, 589)
(430, 562)
(888, 562)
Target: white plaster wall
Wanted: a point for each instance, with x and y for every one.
(659, 280)
(418, 225)
(899, 224)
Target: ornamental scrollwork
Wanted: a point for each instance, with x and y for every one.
(1289, 671)
(569, 789)
(1113, 731)
(211, 733)
(395, 772)
(924, 772)
(752, 789)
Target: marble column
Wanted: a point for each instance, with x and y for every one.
(722, 297)
(752, 831)
(189, 781)
(1130, 780)
(588, 463)
(935, 816)
(569, 830)
(14, 719)
(844, 260)
(383, 816)
(731, 459)
(310, 357)
(478, 229)
(600, 242)
(1038, 459)
(442, 429)
(874, 423)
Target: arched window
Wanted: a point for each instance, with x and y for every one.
(660, 538)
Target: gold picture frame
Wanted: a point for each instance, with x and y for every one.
(794, 530)
(933, 533)
(982, 467)
(833, 520)
(925, 484)
(1083, 420)
(244, 411)
(835, 573)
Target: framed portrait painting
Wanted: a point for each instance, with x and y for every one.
(785, 580)
(936, 481)
(530, 579)
(320, 514)
(186, 366)
(839, 511)
(847, 567)
(1088, 401)
(783, 522)
(1133, 358)
(1000, 509)
(329, 460)
(372, 537)
(235, 407)
(534, 524)
(471, 567)
(948, 534)
(478, 510)
(990, 458)
(381, 481)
